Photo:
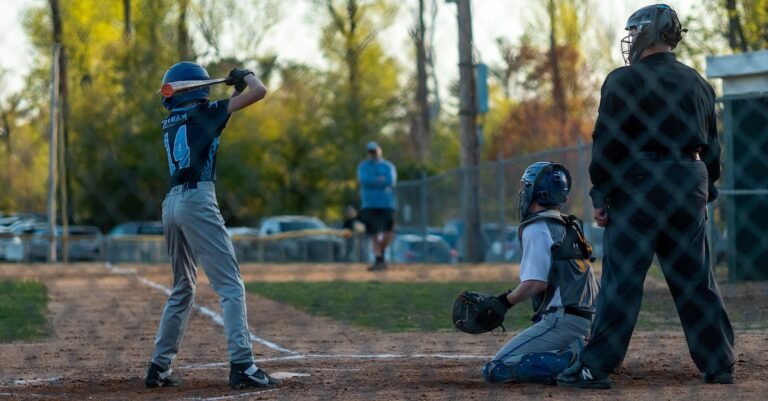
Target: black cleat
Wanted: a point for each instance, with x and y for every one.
(377, 266)
(722, 377)
(156, 377)
(245, 375)
(580, 376)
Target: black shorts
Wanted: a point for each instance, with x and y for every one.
(377, 220)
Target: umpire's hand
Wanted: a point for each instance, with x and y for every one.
(601, 216)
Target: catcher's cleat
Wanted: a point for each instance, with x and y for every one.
(245, 375)
(157, 377)
(722, 377)
(580, 376)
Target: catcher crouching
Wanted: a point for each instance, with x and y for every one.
(555, 273)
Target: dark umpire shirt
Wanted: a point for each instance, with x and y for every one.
(191, 138)
(658, 106)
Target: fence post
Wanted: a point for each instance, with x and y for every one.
(585, 185)
(502, 198)
(423, 212)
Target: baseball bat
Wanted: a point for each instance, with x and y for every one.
(173, 88)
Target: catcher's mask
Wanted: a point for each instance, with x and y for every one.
(186, 71)
(544, 182)
(649, 25)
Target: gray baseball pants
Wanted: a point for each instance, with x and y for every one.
(195, 234)
(553, 332)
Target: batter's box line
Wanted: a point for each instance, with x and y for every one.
(230, 397)
(217, 318)
(217, 365)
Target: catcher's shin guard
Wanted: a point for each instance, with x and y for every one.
(543, 367)
(498, 372)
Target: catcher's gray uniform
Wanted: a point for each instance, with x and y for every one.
(543, 350)
(195, 232)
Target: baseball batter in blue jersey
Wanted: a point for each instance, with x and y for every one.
(194, 228)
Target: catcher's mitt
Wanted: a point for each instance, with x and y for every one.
(477, 313)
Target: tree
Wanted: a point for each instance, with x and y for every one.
(559, 69)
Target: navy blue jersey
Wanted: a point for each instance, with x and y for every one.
(191, 138)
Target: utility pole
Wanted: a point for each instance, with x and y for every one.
(470, 155)
(53, 153)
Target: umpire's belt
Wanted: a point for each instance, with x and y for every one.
(572, 311)
(669, 155)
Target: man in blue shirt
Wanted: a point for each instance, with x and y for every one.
(377, 178)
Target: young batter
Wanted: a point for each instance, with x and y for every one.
(194, 229)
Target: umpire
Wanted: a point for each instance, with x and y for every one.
(655, 159)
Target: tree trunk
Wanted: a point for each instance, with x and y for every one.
(736, 39)
(470, 155)
(558, 95)
(127, 25)
(68, 210)
(184, 46)
(422, 128)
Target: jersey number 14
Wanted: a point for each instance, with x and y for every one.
(179, 158)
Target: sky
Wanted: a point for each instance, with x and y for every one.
(295, 37)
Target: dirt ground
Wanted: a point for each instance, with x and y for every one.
(103, 321)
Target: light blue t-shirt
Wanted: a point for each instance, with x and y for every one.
(377, 180)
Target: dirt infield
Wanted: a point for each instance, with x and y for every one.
(103, 322)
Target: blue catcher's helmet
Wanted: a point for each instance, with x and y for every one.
(546, 183)
(186, 71)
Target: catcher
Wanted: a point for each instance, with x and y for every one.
(554, 272)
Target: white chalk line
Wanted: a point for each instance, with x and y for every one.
(218, 365)
(231, 397)
(217, 318)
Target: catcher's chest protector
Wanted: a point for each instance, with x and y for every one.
(571, 270)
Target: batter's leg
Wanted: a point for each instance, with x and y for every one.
(213, 248)
(173, 321)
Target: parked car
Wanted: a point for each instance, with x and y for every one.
(17, 241)
(83, 243)
(137, 241)
(284, 240)
(6, 238)
(152, 227)
(245, 240)
(413, 248)
(496, 247)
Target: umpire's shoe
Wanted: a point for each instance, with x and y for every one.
(722, 377)
(580, 376)
(244, 375)
(158, 377)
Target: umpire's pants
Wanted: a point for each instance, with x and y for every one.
(665, 214)
(195, 232)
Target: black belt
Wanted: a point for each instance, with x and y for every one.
(190, 185)
(664, 155)
(573, 311)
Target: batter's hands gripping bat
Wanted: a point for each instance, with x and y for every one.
(173, 88)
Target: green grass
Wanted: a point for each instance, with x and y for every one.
(390, 307)
(398, 307)
(22, 307)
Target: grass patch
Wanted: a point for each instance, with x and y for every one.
(392, 307)
(397, 307)
(22, 307)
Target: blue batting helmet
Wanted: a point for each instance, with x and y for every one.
(186, 71)
(546, 183)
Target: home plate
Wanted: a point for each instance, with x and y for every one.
(288, 375)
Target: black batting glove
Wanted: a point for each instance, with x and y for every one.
(504, 301)
(237, 78)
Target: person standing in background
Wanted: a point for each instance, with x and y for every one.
(377, 178)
